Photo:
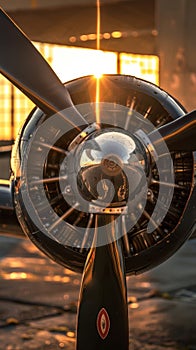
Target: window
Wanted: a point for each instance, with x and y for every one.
(5, 109)
(70, 63)
(141, 66)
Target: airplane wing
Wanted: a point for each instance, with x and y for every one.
(9, 224)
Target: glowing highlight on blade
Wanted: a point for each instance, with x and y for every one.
(98, 76)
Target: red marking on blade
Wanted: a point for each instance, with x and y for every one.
(103, 323)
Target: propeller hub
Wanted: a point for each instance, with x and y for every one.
(106, 162)
(111, 165)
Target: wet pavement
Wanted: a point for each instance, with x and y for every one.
(38, 301)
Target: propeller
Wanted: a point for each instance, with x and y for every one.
(22, 64)
(53, 185)
(179, 134)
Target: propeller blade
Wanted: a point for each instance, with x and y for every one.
(179, 135)
(23, 65)
(103, 294)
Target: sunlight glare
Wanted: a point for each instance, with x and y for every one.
(98, 72)
(71, 63)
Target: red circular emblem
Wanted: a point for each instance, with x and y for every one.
(103, 323)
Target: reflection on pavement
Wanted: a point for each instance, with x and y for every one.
(38, 301)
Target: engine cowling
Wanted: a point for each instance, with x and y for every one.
(63, 179)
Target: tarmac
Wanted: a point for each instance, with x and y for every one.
(38, 301)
